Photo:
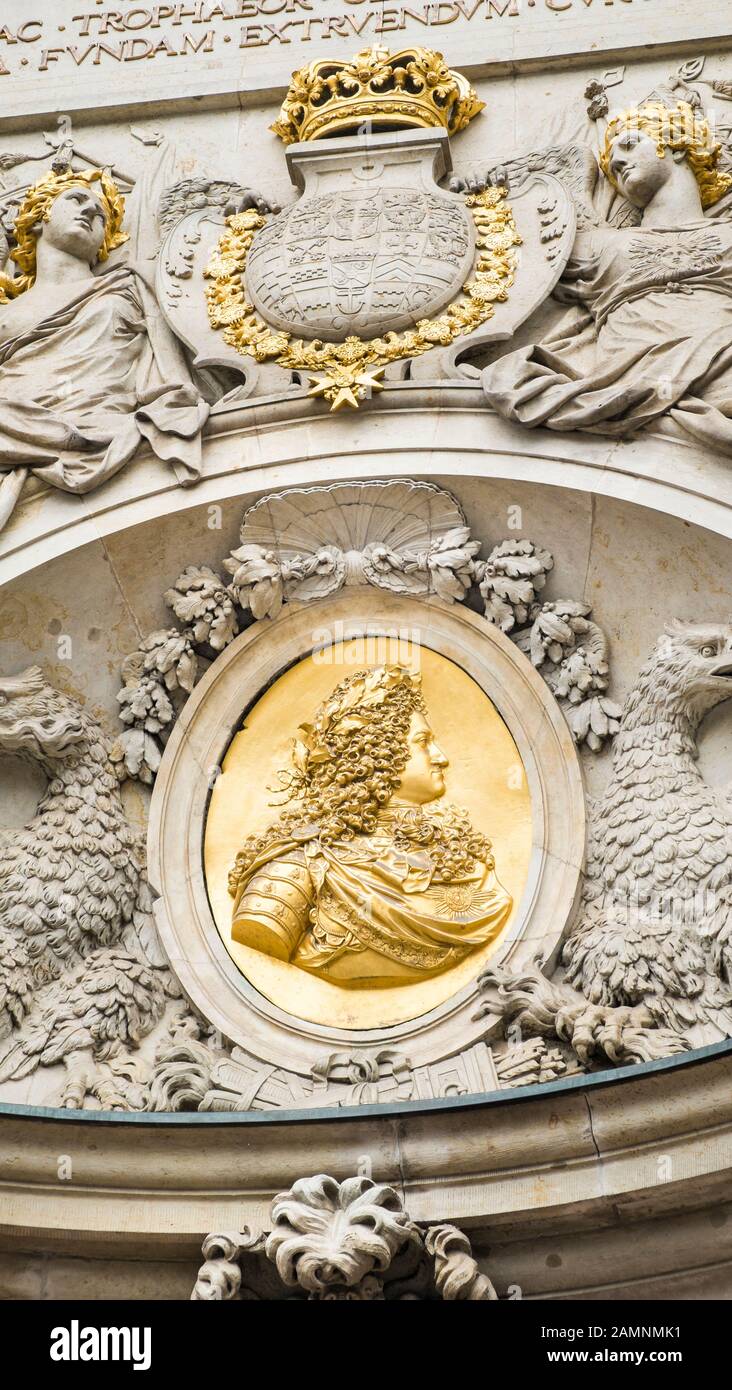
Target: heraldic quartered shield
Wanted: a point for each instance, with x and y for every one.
(374, 262)
(372, 243)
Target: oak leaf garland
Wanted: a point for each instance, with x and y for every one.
(201, 600)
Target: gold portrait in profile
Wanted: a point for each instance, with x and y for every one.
(363, 881)
(368, 876)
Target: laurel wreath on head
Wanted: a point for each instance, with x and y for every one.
(345, 373)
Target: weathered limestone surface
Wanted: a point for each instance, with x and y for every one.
(246, 51)
(601, 1187)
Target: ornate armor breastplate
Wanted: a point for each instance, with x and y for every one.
(273, 912)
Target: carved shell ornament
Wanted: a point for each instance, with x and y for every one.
(375, 262)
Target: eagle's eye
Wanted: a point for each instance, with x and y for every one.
(709, 651)
(3, 699)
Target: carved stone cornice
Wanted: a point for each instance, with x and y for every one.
(605, 1153)
(416, 434)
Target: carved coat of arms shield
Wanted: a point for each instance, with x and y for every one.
(372, 245)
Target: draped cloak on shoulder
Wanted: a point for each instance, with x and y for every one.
(370, 900)
(83, 386)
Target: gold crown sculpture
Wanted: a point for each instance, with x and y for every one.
(407, 89)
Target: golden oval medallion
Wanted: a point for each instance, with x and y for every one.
(368, 840)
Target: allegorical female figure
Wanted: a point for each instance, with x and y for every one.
(362, 881)
(88, 367)
(653, 341)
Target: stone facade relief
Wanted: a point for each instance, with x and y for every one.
(377, 265)
(82, 976)
(645, 967)
(74, 414)
(643, 341)
(246, 310)
(90, 370)
(457, 254)
(626, 283)
(641, 972)
(552, 1026)
(393, 295)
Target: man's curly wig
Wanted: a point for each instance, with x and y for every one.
(350, 777)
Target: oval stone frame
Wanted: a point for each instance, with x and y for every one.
(199, 742)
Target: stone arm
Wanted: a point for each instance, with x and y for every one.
(574, 165)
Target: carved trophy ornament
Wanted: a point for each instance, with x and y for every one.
(363, 880)
(88, 368)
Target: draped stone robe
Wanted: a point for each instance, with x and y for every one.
(83, 383)
(653, 346)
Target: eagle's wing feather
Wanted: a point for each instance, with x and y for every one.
(112, 1001)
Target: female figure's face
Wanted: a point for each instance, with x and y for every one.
(76, 224)
(423, 777)
(636, 168)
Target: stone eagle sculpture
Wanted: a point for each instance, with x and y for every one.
(81, 971)
(649, 957)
